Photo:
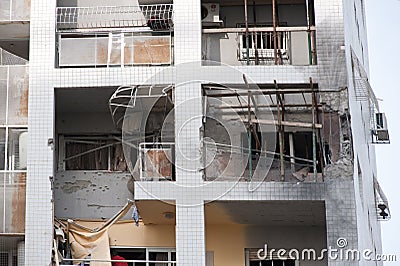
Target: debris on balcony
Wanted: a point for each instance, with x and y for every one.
(311, 134)
(84, 241)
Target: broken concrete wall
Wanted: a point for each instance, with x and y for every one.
(12, 199)
(90, 194)
(335, 137)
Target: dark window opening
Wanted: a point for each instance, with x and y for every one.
(273, 263)
(94, 153)
(303, 148)
(131, 254)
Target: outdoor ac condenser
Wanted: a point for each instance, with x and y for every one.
(210, 13)
(381, 129)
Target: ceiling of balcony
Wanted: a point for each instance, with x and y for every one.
(257, 2)
(156, 211)
(272, 213)
(83, 100)
(283, 213)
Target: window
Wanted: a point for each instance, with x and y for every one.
(13, 148)
(91, 153)
(146, 255)
(273, 263)
(3, 258)
(263, 43)
(17, 148)
(252, 259)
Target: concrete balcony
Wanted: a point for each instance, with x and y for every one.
(105, 36)
(259, 46)
(14, 89)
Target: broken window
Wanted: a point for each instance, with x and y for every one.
(92, 153)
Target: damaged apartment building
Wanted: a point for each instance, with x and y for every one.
(187, 132)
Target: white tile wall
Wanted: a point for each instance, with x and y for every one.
(190, 192)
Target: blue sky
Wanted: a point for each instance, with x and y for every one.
(383, 24)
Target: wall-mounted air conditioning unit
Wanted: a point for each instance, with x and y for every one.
(210, 13)
(381, 129)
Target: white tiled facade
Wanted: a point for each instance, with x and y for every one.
(346, 215)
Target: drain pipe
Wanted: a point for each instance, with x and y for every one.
(247, 33)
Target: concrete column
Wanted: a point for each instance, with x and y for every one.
(190, 235)
(39, 212)
(341, 220)
(21, 253)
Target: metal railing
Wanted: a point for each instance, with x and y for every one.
(261, 46)
(155, 17)
(102, 261)
(7, 58)
(156, 161)
(266, 46)
(226, 162)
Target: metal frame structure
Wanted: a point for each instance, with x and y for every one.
(280, 108)
(156, 17)
(125, 97)
(364, 93)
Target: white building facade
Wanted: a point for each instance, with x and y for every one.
(232, 126)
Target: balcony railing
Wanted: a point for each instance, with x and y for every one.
(260, 46)
(154, 17)
(156, 161)
(230, 163)
(9, 59)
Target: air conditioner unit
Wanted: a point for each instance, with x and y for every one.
(381, 129)
(210, 13)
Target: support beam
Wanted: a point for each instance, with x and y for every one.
(247, 33)
(285, 123)
(291, 150)
(274, 31)
(313, 134)
(280, 132)
(257, 29)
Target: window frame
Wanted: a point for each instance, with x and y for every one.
(148, 250)
(247, 258)
(62, 150)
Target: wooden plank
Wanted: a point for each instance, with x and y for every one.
(256, 29)
(286, 123)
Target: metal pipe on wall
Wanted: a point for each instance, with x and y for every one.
(274, 31)
(246, 21)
